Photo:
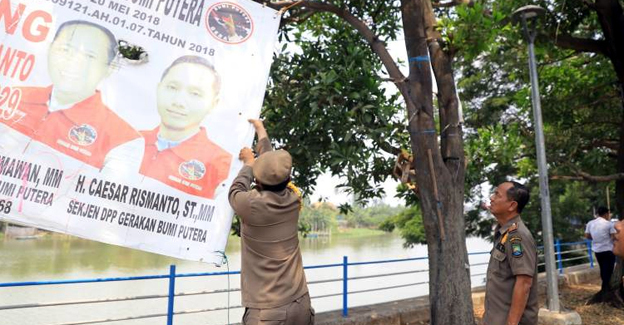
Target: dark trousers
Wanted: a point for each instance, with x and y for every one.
(606, 260)
(298, 312)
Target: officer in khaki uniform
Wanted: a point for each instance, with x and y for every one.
(511, 289)
(273, 284)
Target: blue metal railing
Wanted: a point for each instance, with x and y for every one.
(172, 276)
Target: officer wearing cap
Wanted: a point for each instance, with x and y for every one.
(273, 284)
(511, 288)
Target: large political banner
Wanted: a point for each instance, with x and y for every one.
(136, 150)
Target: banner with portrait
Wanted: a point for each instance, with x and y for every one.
(138, 149)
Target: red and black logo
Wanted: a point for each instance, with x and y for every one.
(192, 170)
(229, 23)
(83, 135)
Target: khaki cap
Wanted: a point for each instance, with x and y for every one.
(272, 167)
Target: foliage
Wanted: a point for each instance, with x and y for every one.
(133, 53)
(410, 225)
(579, 102)
(329, 105)
(327, 102)
(319, 216)
(371, 217)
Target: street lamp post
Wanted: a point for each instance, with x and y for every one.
(527, 17)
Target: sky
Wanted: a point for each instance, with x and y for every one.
(326, 190)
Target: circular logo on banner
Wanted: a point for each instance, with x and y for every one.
(192, 170)
(83, 135)
(229, 23)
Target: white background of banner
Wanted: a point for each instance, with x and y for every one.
(131, 92)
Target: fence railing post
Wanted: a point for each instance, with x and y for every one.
(590, 253)
(172, 276)
(345, 292)
(558, 250)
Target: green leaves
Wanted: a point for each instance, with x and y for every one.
(327, 105)
(410, 225)
(580, 106)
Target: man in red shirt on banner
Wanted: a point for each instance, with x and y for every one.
(178, 152)
(69, 116)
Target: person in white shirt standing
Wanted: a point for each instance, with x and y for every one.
(601, 231)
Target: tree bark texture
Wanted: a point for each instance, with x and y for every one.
(441, 187)
(611, 19)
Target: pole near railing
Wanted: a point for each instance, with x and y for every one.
(172, 276)
(345, 279)
(558, 250)
(590, 253)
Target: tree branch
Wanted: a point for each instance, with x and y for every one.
(609, 144)
(570, 42)
(451, 132)
(377, 45)
(589, 4)
(452, 3)
(582, 176)
(301, 17)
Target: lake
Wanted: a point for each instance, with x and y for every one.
(59, 257)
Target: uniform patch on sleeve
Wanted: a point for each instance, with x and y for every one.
(516, 247)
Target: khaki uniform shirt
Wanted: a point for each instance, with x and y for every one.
(271, 266)
(514, 253)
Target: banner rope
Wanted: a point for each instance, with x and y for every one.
(227, 263)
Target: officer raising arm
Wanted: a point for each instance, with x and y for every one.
(511, 288)
(273, 285)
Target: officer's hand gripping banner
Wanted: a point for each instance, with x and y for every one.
(136, 150)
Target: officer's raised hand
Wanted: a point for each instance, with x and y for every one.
(247, 156)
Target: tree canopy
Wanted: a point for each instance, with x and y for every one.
(331, 102)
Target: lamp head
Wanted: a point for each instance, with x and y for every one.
(527, 12)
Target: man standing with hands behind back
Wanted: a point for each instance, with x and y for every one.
(273, 284)
(511, 288)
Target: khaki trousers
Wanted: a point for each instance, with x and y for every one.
(298, 312)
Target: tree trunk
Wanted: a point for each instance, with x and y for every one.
(441, 192)
(611, 18)
(619, 185)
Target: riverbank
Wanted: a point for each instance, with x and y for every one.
(358, 232)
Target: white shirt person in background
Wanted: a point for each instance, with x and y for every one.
(601, 231)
